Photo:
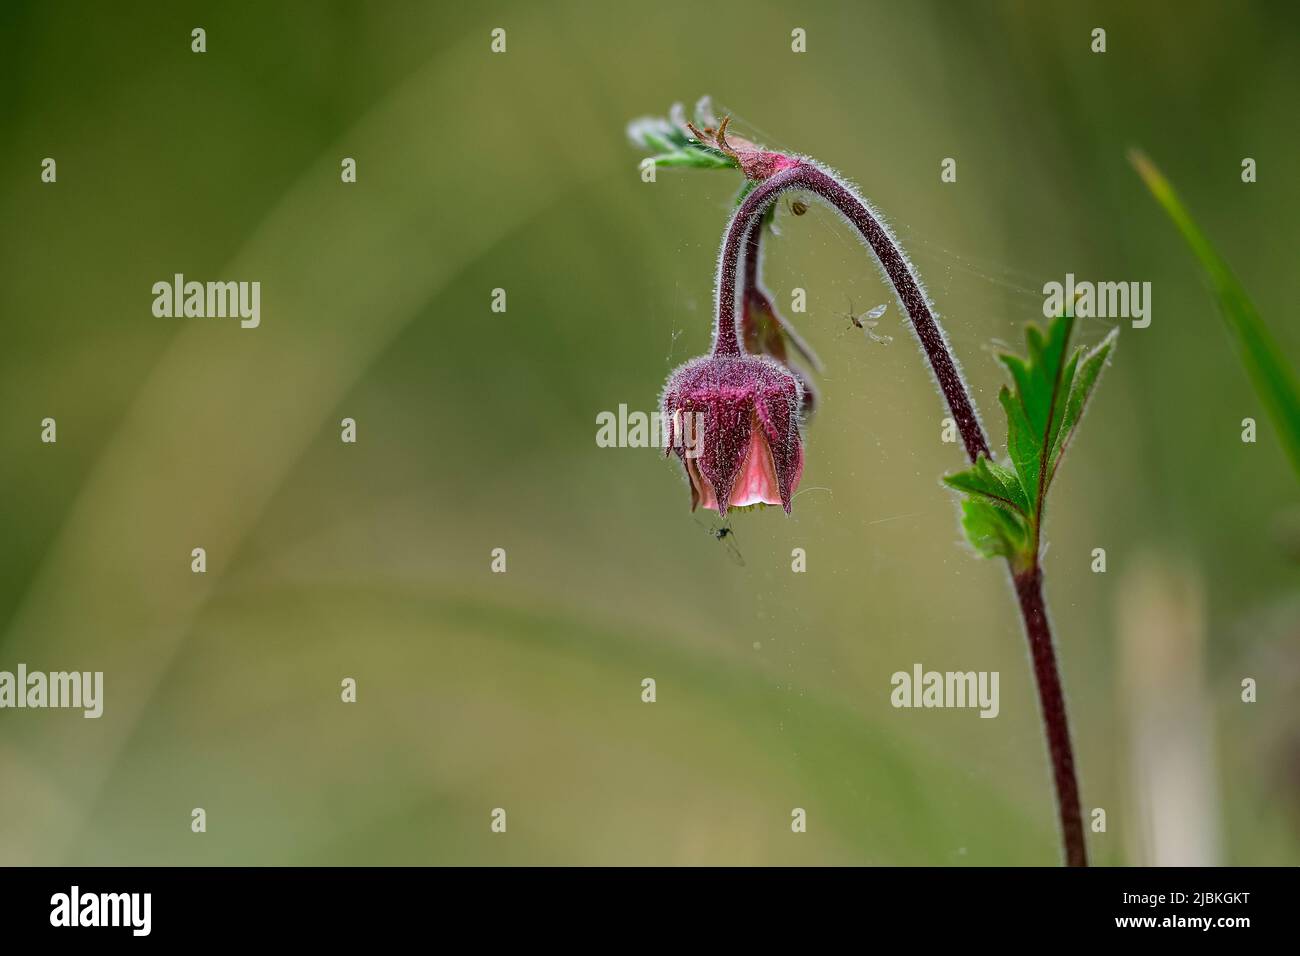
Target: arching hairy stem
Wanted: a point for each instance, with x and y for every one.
(739, 251)
(811, 178)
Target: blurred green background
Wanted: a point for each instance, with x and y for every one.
(476, 430)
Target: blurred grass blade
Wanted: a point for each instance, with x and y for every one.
(1269, 371)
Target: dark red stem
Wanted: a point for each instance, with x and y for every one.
(1028, 582)
(1029, 589)
(752, 249)
(726, 340)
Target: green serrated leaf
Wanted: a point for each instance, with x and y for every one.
(1036, 409)
(992, 483)
(1022, 445)
(994, 531)
(1060, 399)
(1051, 386)
(1044, 406)
(1082, 384)
(1019, 373)
(1003, 511)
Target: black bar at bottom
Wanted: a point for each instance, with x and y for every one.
(371, 905)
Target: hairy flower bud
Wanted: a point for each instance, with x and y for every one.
(750, 451)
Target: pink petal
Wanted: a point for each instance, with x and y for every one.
(701, 487)
(757, 482)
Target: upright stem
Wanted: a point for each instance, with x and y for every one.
(1028, 582)
(1029, 590)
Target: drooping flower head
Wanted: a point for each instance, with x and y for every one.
(750, 450)
(734, 417)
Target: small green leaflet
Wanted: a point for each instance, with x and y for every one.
(994, 532)
(993, 484)
(674, 148)
(694, 157)
(1085, 369)
(1004, 503)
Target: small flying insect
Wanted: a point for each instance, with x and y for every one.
(867, 322)
(723, 533)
